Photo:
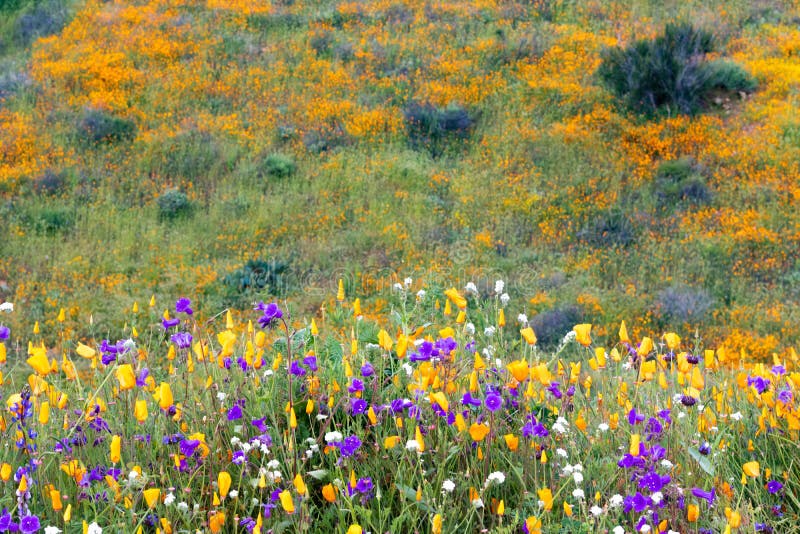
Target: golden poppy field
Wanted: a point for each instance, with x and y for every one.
(399, 266)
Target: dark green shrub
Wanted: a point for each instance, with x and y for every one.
(50, 220)
(679, 304)
(98, 126)
(609, 230)
(552, 325)
(257, 275)
(173, 204)
(50, 183)
(278, 166)
(431, 128)
(671, 72)
(680, 182)
(40, 20)
(325, 139)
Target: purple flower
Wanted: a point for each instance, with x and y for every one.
(760, 383)
(629, 461)
(259, 424)
(169, 323)
(271, 312)
(235, 413)
(358, 406)
(182, 339)
(398, 405)
(296, 369)
(778, 370)
(773, 486)
(141, 378)
(182, 306)
(238, 457)
(785, 396)
(469, 400)
(355, 385)
(688, 400)
(350, 445)
(653, 481)
(705, 448)
(311, 362)
(494, 402)
(29, 524)
(634, 417)
(446, 345)
(4, 332)
(188, 446)
(367, 370)
(708, 496)
(637, 502)
(553, 388)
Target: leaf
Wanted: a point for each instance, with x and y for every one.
(319, 474)
(705, 463)
(333, 350)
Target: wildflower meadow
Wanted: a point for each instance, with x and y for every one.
(399, 266)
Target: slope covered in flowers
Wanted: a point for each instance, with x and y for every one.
(556, 188)
(266, 423)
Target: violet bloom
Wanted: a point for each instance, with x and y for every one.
(183, 306)
(259, 424)
(271, 313)
(494, 402)
(311, 363)
(182, 339)
(367, 370)
(760, 383)
(350, 445)
(296, 369)
(469, 400)
(235, 413)
(355, 385)
(358, 406)
(169, 323)
(773, 486)
(553, 388)
(785, 396)
(29, 524)
(188, 446)
(5, 332)
(705, 448)
(634, 417)
(141, 378)
(446, 345)
(708, 496)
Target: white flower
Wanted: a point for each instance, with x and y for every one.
(221, 396)
(568, 469)
(578, 493)
(644, 528)
(615, 500)
(595, 510)
(448, 486)
(469, 328)
(522, 318)
(499, 286)
(169, 499)
(618, 530)
(471, 288)
(268, 373)
(133, 475)
(233, 494)
(577, 476)
(681, 415)
(504, 299)
(498, 363)
(489, 331)
(235, 441)
(321, 417)
(561, 452)
(408, 281)
(398, 286)
(183, 507)
(51, 530)
(333, 436)
(488, 352)
(603, 427)
(657, 497)
(737, 416)
(421, 294)
(578, 467)
(666, 464)
(273, 464)
(496, 476)
(478, 503)
(558, 427)
(412, 445)
(408, 369)
(94, 528)
(8, 307)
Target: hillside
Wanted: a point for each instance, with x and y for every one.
(157, 147)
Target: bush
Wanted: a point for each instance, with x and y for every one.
(50, 183)
(680, 304)
(611, 229)
(278, 166)
(670, 71)
(173, 204)
(680, 182)
(50, 220)
(98, 126)
(432, 128)
(257, 275)
(551, 325)
(43, 19)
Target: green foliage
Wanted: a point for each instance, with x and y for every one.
(431, 128)
(98, 126)
(173, 204)
(671, 72)
(680, 182)
(610, 229)
(258, 275)
(278, 166)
